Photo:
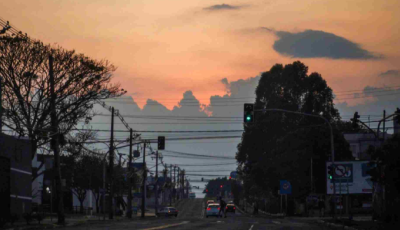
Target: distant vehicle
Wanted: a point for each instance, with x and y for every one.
(168, 211)
(192, 195)
(230, 208)
(209, 202)
(213, 210)
(230, 202)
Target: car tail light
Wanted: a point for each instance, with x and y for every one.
(226, 208)
(208, 209)
(234, 208)
(218, 208)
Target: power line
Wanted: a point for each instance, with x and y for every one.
(197, 155)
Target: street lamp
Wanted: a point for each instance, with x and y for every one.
(48, 190)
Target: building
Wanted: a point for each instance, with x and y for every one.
(360, 142)
(15, 174)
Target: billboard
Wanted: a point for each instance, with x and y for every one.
(349, 177)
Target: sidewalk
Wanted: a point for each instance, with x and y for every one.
(73, 220)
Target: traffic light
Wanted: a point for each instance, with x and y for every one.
(331, 169)
(397, 117)
(230, 178)
(202, 179)
(221, 186)
(161, 143)
(355, 120)
(248, 116)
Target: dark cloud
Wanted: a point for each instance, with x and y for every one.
(318, 44)
(390, 73)
(222, 7)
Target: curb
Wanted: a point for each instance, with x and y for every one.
(335, 225)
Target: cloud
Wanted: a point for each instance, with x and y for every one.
(317, 44)
(222, 7)
(379, 99)
(390, 73)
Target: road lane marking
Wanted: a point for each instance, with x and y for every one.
(251, 227)
(276, 222)
(167, 226)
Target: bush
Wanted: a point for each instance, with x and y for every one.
(39, 217)
(14, 217)
(28, 217)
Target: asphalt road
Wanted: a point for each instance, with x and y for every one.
(191, 216)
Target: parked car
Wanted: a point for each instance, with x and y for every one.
(168, 211)
(212, 210)
(230, 208)
(192, 195)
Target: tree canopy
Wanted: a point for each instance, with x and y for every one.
(79, 82)
(279, 145)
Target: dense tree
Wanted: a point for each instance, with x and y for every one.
(386, 175)
(79, 82)
(280, 145)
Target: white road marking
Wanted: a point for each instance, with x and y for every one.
(251, 227)
(167, 226)
(276, 222)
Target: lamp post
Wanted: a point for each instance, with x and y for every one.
(48, 190)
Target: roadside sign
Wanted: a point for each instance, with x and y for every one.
(285, 187)
(350, 177)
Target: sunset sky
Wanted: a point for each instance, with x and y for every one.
(164, 48)
(196, 58)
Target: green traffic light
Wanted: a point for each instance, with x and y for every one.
(248, 118)
(330, 177)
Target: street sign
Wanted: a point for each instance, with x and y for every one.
(285, 187)
(350, 177)
(234, 174)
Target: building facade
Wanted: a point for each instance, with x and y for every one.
(16, 170)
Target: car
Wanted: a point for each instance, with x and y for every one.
(209, 202)
(192, 195)
(168, 211)
(230, 208)
(213, 210)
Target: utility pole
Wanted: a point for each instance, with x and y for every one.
(178, 190)
(55, 144)
(170, 187)
(104, 188)
(129, 213)
(165, 181)
(1, 104)
(384, 121)
(174, 182)
(156, 204)
(144, 180)
(111, 167)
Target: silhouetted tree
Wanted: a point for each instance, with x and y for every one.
(280, 145)
(79, 82)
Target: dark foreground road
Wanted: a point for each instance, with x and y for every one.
(192, 217)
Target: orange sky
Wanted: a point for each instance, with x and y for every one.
(164, 48)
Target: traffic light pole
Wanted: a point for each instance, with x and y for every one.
(111, 167)
(332, 141)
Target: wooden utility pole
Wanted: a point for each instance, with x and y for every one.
(170, 187)
(1, 104)
(55, 135)
(129, 213)
(111, 168)
(156, 201)
(144, 181)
